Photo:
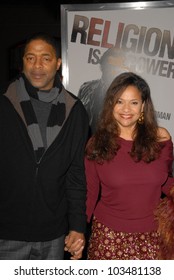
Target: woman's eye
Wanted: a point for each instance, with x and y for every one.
(135, 102)
(119, 102)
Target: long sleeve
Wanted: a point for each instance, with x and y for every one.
(169, 157)
(76, 181)
(93, 187)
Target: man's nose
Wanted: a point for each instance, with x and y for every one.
(38, 62)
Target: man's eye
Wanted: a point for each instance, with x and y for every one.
(30, 58)
(46, 59)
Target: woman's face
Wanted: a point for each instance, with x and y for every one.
(128, 108)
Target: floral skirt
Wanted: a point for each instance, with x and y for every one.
(107, 244)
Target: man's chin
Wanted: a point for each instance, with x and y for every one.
(37, 84)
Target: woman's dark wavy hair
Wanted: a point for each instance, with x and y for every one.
(104, 144)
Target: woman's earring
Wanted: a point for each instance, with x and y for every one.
(141, 118)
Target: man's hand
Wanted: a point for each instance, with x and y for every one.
(74, 244)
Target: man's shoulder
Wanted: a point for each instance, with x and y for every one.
(90, 83)
(72, 95)
(73, 99)
(88, 87)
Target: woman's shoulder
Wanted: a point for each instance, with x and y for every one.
(163, 134)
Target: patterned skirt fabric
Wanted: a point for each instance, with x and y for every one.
(106, 244)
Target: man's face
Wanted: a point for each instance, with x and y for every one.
(40, 64)
(115, 65)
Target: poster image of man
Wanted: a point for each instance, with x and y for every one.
(92, 93)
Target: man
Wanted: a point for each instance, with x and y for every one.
(92, 93)
(44, 130)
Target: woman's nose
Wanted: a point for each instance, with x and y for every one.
(126, 107)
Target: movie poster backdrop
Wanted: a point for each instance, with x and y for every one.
(143, 30)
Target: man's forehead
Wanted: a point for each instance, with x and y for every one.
(116, 61)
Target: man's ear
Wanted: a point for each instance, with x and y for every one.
(59, 62)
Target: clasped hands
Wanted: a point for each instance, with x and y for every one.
(74, 244)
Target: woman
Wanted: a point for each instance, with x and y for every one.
(128, 165)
